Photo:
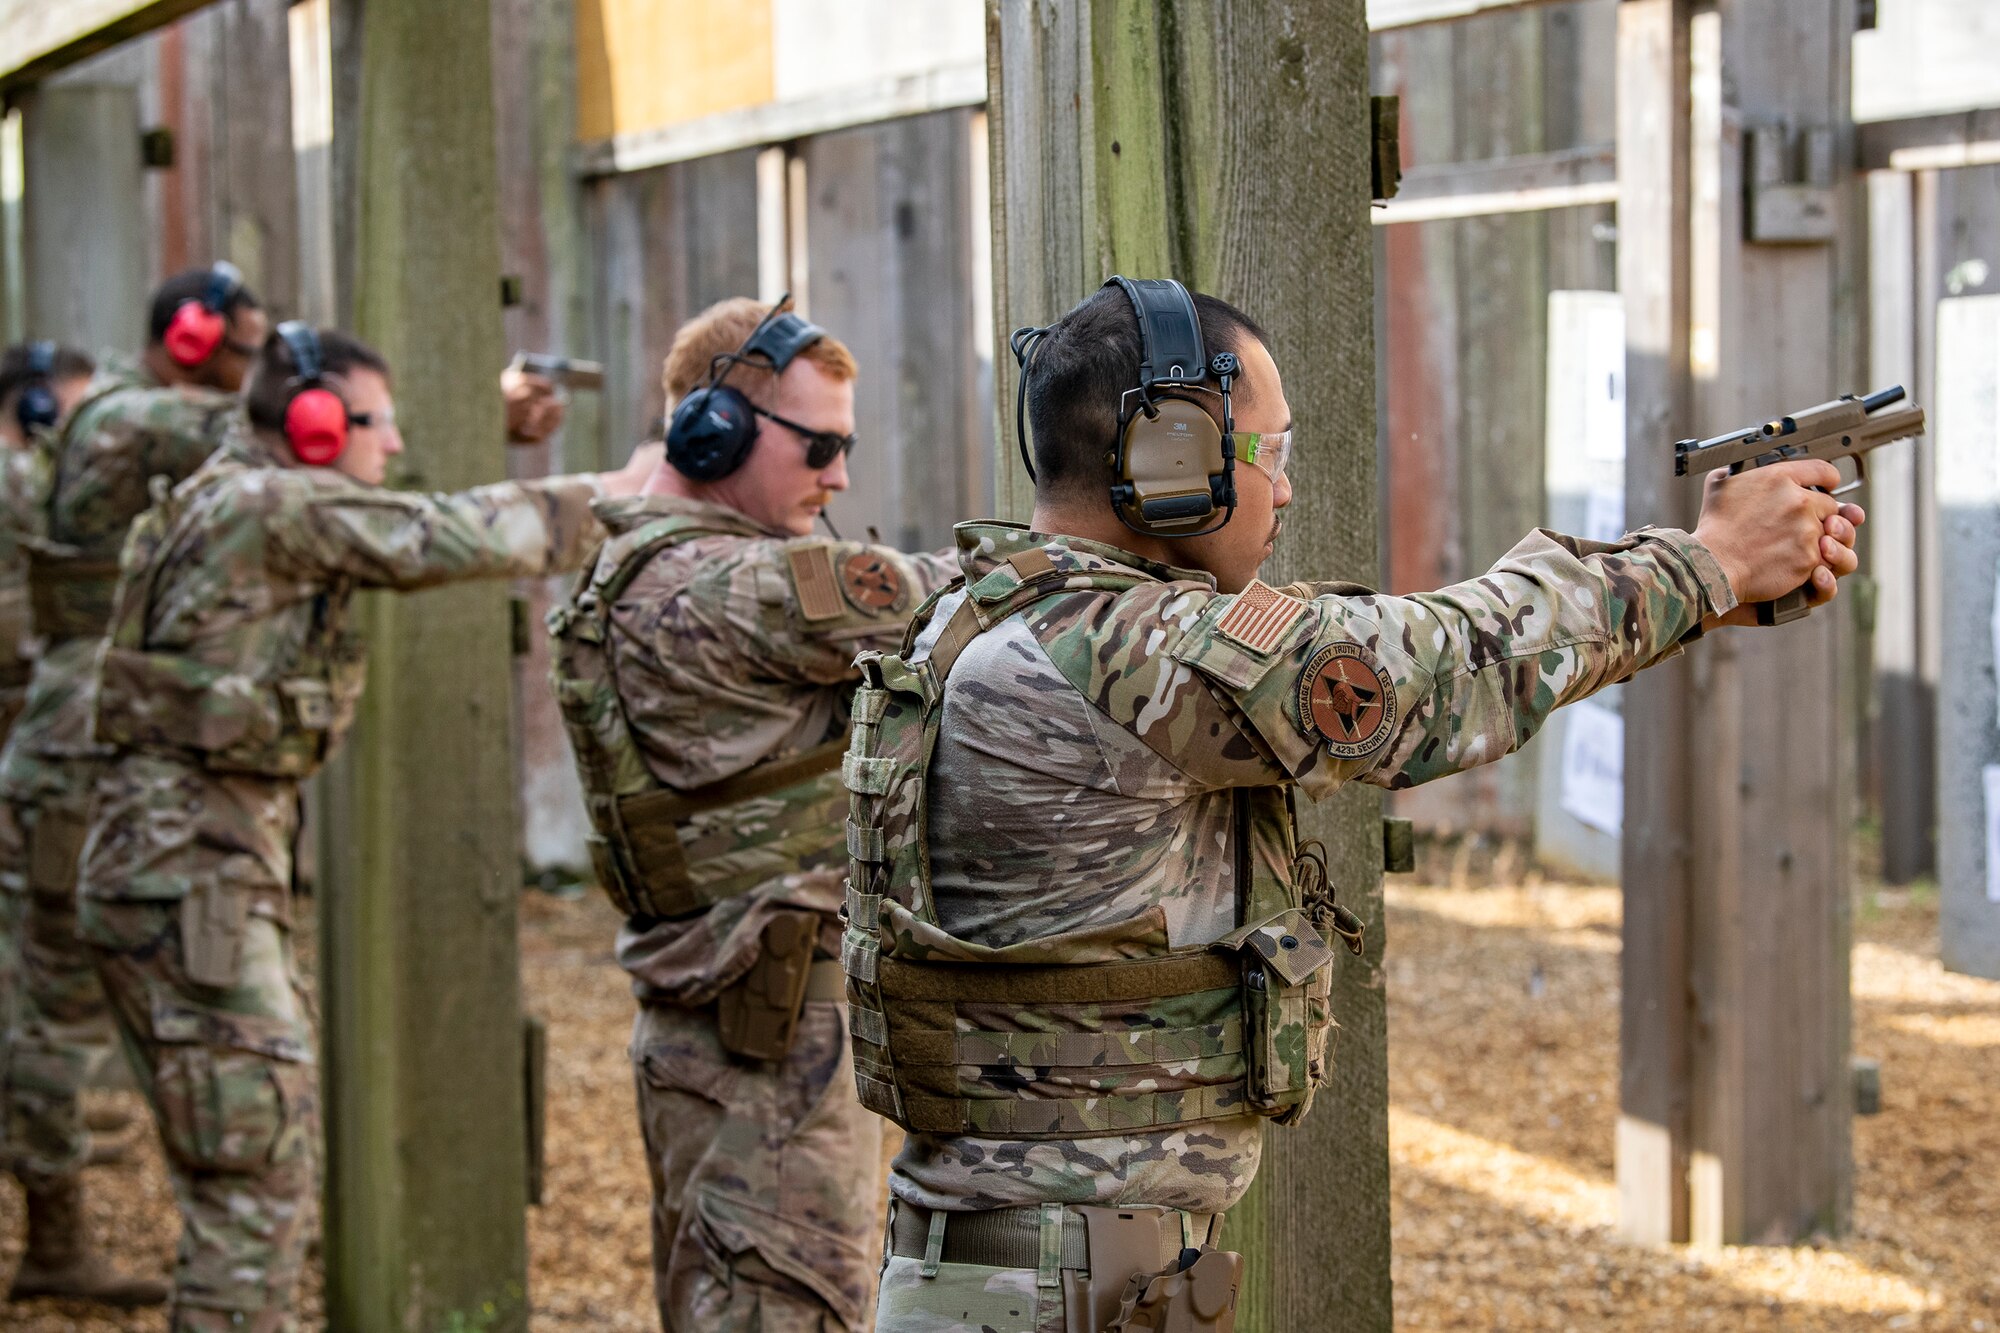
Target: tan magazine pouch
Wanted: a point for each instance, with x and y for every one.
(759, 1014)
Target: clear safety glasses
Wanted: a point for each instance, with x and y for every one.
(1269, 451)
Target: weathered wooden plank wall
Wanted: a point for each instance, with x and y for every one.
(889, 243)
(1465, 330)
(664, 243)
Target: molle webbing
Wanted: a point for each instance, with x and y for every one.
(655, 834)
(70, 597)
(1170, 1049)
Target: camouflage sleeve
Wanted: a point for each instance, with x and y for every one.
(1345, 683)
(802, 610)
(394, 539)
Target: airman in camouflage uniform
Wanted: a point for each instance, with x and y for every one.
(157, 418)
(705, 667)
(230, 674)
(40, 384)
(1085, 760)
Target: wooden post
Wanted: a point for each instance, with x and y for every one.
(1244, 174)
(426, 1124)
(1738, 774)
(1653, 276)
(84, 251)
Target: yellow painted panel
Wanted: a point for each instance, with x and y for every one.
(648, 64)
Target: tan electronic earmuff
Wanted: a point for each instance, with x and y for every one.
(1173, 469)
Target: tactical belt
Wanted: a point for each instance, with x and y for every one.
(1012, 1237)
(54, 591)
(651, 822)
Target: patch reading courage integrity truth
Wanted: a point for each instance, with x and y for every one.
(1347, 700)
(813, 579)
(1260, 616)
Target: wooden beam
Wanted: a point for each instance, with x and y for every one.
(1771, 1110)
(778, 122)
(1654, 277)
(1386, 14)
(1525, 183)
(1100, 164)
(1930, 143)
(426, 1123)
(83, 221)
(39, 37)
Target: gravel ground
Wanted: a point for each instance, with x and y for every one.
(1503, 1013)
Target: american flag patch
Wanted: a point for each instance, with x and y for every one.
(813, 578)
(1260, 617)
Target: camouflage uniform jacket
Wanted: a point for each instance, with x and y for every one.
(246, 596)
(24, 493)
(128, 430)
(1089, 743)
(731, 650)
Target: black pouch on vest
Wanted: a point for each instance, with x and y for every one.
(213, 917)
(1197, 1295)
(758, 1015)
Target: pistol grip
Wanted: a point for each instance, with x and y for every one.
(1792, 606)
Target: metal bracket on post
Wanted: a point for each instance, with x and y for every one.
(1788, 185)
(1385, 166)
(1399, 846)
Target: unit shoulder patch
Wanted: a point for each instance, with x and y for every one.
(1259, 617)
(1347, 700)
(871, 583)
(814, 581)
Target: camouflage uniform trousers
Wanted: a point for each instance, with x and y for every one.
(58, 1028)
(965, 1298)
(766, 1177)
(231, 1077)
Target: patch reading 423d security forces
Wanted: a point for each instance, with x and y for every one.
(870, 582)
(1347, 700)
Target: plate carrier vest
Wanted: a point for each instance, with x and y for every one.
(952, 1037)
(271, 713)
(650, 843)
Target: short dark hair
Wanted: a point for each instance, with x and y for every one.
(16, 367)
(274, 378)
(192, 285)
(1080, 370)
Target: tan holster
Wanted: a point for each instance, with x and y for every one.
(1127, 1289)
(758, 1015)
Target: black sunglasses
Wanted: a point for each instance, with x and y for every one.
(822, 446)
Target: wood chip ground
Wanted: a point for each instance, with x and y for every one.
(1504, 1036)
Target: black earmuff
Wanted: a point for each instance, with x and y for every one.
(1173, 470)
(36, 407)
(712, 429)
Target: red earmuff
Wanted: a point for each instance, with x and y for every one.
(194, 333)
(316, 426)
